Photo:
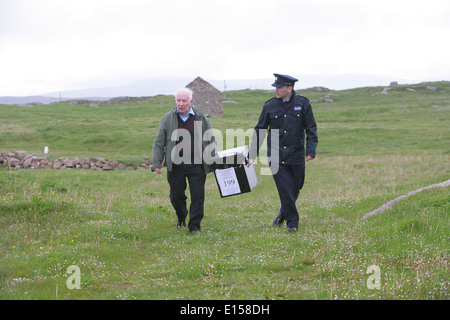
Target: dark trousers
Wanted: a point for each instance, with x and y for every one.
(196, 177)
(289, 180)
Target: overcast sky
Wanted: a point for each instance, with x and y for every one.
(52, 45)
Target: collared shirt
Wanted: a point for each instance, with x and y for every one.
(286, 101)
(186, 117)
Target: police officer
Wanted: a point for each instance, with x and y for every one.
(290, 115)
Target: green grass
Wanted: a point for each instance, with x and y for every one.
(118, 227)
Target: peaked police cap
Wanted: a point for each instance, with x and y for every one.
(282, 80)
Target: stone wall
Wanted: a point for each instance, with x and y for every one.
(21, 160)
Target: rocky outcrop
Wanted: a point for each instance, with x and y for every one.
(21, 160)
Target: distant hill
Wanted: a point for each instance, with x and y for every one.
(27, 100)
(35, 100)
(153, 87)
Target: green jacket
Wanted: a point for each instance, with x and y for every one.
(164, 143)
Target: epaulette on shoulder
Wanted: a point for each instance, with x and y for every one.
(304, 98)
(270, 100)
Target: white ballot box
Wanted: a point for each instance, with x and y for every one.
(233, 174)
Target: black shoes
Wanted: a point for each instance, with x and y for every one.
(181, 224)
(278, 220)
(194, 231)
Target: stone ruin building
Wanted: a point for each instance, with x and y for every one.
(206, 98)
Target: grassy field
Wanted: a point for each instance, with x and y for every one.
(118, 227)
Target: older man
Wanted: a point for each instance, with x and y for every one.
(184, 139)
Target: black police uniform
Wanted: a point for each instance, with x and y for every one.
(292, 119)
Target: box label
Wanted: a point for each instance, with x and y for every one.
(227, 181)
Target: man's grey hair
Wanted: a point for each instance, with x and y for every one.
(185, 90)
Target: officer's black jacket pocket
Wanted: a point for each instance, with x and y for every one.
(276, 120)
